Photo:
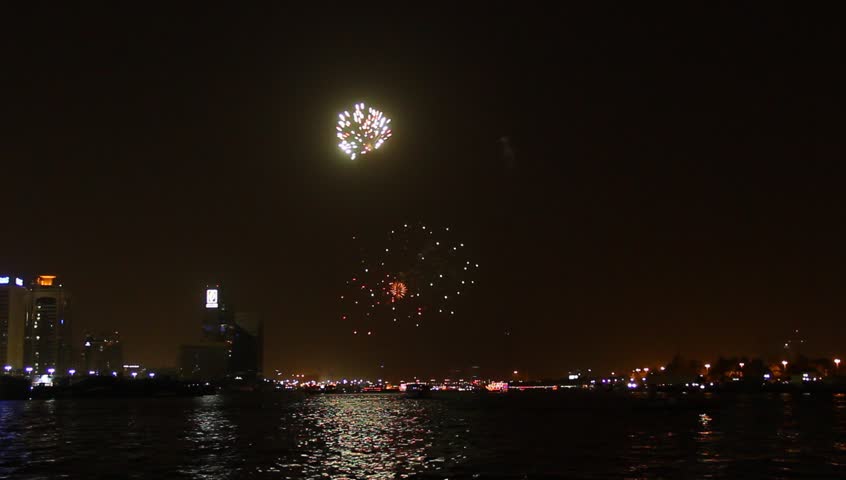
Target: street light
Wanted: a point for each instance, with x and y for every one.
(71, 372)
(8, 368)
(51, 370)
(741, 364)
(784, 364)
(836, 363)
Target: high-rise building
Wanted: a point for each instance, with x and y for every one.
(48, 330)
(239, 335)
(102, 353)
(203, 362)
(14, 301)
(217, 318)
(247, 345)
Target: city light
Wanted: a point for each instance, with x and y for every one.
(497, 387)
(212, 298)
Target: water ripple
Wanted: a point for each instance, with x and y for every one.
(448, 436)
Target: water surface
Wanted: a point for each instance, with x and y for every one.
(537, 435)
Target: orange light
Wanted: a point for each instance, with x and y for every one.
(45, 280)
(397, 289)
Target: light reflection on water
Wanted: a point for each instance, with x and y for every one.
(356, 437)
(448, 436)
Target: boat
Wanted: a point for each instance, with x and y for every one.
(417, 390)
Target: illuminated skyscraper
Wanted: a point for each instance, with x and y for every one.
(14, 301)
(217, 318)
(48, 330)
(239, 335)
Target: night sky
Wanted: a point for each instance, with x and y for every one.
(675, 182)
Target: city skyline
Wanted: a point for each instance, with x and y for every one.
(626, 197)
(219, 323)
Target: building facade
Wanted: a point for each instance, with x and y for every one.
(102, 354)
(217, 318)
(203, 362)
(247, 346)
(14, 310)
(47, 333)
(233, 342)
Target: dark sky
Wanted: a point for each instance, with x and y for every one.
(676, 183)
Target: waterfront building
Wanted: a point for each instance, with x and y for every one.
(217, 317)
(14, 309)
(240, 335)
(247, 346)
(103, 353)
(47, 332)
(203, 362)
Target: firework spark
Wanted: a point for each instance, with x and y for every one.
(363, 131)
(398, 290)
(418, 273)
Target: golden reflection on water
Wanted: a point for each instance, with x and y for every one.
(364, 436)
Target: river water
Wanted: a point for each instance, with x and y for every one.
(518, 435)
